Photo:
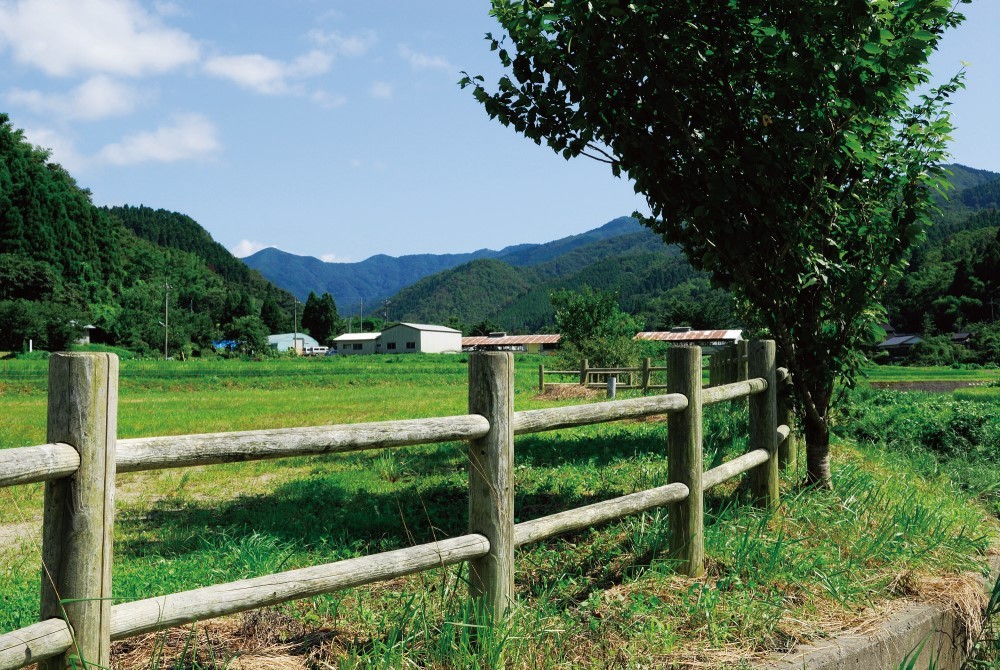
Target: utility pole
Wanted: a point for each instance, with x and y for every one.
(362, 315)
(166, 319)
(295, 325)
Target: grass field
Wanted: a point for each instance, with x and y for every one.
(602, 598)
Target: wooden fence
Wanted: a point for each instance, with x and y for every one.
(82, 456)
(727, 365)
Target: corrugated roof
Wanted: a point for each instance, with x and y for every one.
(510, 340)
(691, 336)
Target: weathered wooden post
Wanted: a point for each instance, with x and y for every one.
(742, 362)
(78, 519)
(646, 364)
(541, 378)
(764, 424)
(491, 480)
(713, 369)
(583, 372)
(684, 445)
(787, 451)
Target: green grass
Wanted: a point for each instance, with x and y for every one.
(901, 373)
(606, 597)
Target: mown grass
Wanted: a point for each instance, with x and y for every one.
(607, 597)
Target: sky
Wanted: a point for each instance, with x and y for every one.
(333, 129)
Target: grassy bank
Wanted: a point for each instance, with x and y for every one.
(610, 597)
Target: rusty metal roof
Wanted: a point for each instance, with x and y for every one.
(692, 336)
(510, 340)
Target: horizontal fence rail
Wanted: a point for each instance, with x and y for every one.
(83, 457)
(153, 453)
(152, 614)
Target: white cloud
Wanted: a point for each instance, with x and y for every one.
(99, 97)
(344, 45)
(67, 37)
(266, 75)
(189, 137)
(380, 90)
(248, 248)
(422, 61)
(334, 258)
(61, 148)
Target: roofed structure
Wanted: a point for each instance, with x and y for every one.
(531, 344)
(703, 338)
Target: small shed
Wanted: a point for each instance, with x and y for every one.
(286, 341)
(530, 344)
(899, 345)
(697, 338)
(350, 344)
(410, 338)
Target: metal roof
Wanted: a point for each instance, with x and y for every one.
(509, 340)
(357, 337)
(427, 326)
(901, 340)
(692, 336)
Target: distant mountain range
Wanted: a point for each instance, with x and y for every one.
(511, 287)
(380, 277)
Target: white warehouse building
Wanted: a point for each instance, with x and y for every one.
(350, 344)
(409, 338)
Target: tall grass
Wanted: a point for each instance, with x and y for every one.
(606, 597)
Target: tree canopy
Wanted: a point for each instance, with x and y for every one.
(781, 144)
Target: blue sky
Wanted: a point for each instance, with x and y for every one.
(331, 129)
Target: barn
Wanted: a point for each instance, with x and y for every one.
(286, 341)
(529, 344)
(410, 338)
(700, 338)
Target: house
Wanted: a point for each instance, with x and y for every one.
(531, 344)
(350, 344)
(409, 338)
(286, 341)
(699, 338)
(898, 346)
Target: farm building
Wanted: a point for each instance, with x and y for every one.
(409, 338)
(699, 338)
(286, 341)
(530, 344)
(899, 345)
(350, 344)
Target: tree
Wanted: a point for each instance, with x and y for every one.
(595, 328)
(319, 316)
(272, 316)
(250, 335)
(780, 143)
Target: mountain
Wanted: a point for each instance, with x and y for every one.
(65, 263)
(512, 291)
(379, 277)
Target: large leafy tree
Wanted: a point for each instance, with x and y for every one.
(780, 143)
(595, 328)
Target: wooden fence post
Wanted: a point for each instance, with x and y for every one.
(646, 364)
(787, 451)
(684, 444)
(78, 518)
(541, 378)
(764, 424)
(491, 480)
(583, 372)
(713, 369)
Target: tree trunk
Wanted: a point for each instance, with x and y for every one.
(817, 452)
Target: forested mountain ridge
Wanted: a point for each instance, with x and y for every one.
(379, 277)
(65, 263)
